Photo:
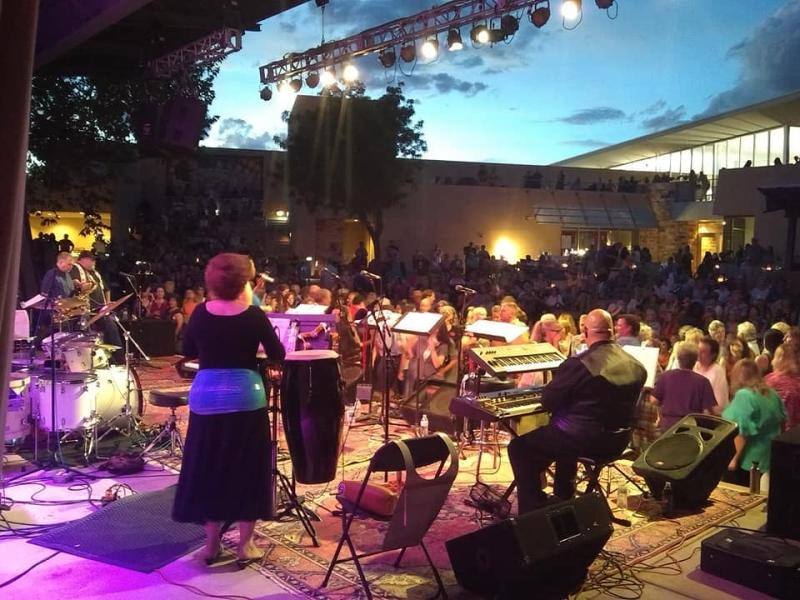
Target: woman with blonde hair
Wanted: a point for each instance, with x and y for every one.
(225, 471)
(760, 415)
(785, 380)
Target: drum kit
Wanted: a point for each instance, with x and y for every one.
(73, 392)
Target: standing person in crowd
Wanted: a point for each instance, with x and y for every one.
(159, 306)
(760, 415)
(708, 366)
(189, 303)
(785, 380)
(175, 314)
(681, 391)
(226, 467)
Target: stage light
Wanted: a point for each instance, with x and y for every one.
(480, 34)
(540, 14)
(408, 53)
(296, 85)
(571, 9)
(430, 49)
(509, 25)
(328, 77)
(350, 73)
(454, 42)
(387, 58)
(266, 93)
(312, 80)
(284, 87)
(604, 4)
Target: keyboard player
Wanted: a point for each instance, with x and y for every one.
(590, 397)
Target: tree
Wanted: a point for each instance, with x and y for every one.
(345, 154)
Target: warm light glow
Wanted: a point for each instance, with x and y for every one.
(310, 258)
(570, 9)
(507, 249)
(483, 36)
(430, 49)
(350, 73)
(284, 87)
(328, 78)
(280, 213)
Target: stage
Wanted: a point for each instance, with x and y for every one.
(659, 557)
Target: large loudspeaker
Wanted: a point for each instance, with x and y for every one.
(783, 518)
(182, 122)
(692, 456)
(542, 554)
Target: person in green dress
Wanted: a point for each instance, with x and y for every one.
(759, 413)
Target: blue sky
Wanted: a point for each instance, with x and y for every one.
(548, 94)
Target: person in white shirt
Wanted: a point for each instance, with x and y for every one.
(708, 366)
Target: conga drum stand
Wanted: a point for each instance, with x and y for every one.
(280, 485)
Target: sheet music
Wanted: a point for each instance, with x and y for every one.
(308, 309)
(649, 359)
(418, 323)
(389, 317)
(32, 301)
(496, 330)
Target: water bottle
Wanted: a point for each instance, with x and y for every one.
(669, 501)
(622, 497)
(351, 413)
(755, 478)
(423, 426)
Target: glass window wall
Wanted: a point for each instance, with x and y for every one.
(775, 144)
(794, 143)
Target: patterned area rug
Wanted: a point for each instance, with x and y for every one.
(295, 564)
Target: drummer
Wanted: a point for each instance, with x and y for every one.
(56, 283)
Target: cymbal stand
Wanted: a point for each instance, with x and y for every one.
(278, 481)
(130, 421)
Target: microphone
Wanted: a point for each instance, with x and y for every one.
(369, 275)
(465, 290)
(266, 278)
(124, 274)
(331, 272)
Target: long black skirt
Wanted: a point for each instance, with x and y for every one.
(225, 475)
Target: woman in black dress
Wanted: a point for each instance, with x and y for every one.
(226, 470)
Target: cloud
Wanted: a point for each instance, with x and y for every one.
(654, 108)
(288, 26)
(589, 143)
(670, 117)
(768, 59)
(590, 116)
(238, 133)
(444, 83)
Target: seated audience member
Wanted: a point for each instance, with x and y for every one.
(785, 380)
(627, 329)
(772, 339)
(746, 331)
(682, 391)
(708, 367)
(760, 415)
(159, 306)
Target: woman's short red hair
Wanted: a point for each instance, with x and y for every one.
(227, 274)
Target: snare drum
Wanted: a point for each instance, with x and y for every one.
(312, 407)
(19, 407)
(75, 400)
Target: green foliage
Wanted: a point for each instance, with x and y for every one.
(345, 153)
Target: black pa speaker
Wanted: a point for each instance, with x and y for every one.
(182, 122)
(692, 456)
(783, 517)
(542, 554)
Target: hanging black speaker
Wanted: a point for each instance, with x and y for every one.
(542, 554)
(692, 456)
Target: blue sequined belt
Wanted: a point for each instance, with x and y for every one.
(216, 391)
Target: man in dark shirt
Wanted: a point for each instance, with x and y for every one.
(591, 397)
(65, 244)
(57, 282)
(682, 391)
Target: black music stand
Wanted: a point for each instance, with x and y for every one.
(422, 325)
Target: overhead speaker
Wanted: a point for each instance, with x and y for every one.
(542, 554)
(182, 122)
(692, 456)
(783, 517)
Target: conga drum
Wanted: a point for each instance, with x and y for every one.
(313, 409)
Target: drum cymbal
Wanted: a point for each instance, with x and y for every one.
(107, 309)
(109, 347)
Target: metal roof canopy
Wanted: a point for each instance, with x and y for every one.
(617, 211)
(757, 117)
(81, 37)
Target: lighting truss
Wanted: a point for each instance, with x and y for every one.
(439, 19)
(215, 46)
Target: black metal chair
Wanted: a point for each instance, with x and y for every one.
(419, 504)
(593, 467)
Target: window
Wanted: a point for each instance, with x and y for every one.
(721, 155)
(794, 143)
(746, 152)
(761, 154)
(775, 144)
(662, 164)
(733, 154)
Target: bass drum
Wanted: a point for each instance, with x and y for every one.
(112, 388)
(75, 395)
(19, 407)
(313, 410)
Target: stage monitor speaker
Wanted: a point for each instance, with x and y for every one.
(768, 564)
(434, 401)
(542, 554)
(182, 122)
(155, 336)
(783, 517)
(692, 456)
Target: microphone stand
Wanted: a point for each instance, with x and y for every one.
(138, 292)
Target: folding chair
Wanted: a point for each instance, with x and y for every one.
(419, 504)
